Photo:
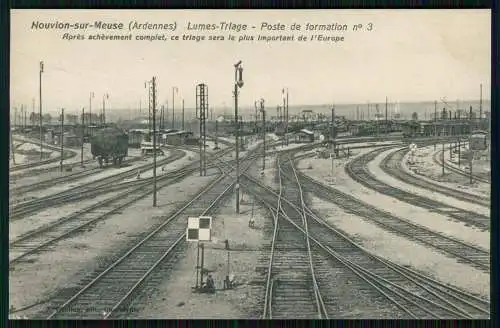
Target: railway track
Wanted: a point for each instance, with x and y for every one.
(66, 155)
(462, 251)
(40, 239)
(23, 209)
(106, 185)
(109, 293)
(38, 171)
(65, 178)
(357, 169)
(291, 291)
(389, 289)
(392, 165)
(438, 159)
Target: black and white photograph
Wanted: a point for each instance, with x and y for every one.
(249, 164)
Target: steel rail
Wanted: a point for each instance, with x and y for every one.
(408, 273)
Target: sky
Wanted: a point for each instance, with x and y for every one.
(409, 55)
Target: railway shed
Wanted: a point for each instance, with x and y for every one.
(440, 127)
(136, 137)
(304, 135)
(178, 137)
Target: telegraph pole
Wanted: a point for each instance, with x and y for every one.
(61, 140)
(263, 111)
(471, 155)
(15, 116)
(83, 132)
(284, 115)
(147, 85)
(480, 102)
(12, 146)
(332, 153)
(174, 91)
(106, 96)
(286, 125)
(162, 112)
(182, 114)
(216, 133)
(255, 125)
(386, 117)
(435, 124)
(33, 112)
(153, 110)
(442, 156)
(91, 95)
(41, 131)
(238, 83)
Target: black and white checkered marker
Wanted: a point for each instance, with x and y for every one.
(199, 228)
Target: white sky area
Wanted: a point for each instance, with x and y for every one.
(410, 55)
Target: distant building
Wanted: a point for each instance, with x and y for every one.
(304, 135)
(178, 137)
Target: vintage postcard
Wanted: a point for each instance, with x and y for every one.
(255, 164)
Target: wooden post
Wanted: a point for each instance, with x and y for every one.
(459, 146)
(83, 133)
(202, 262)
(442, 157)
(61, 140)
(197, 263)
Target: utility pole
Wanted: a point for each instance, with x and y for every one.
(442, 156)
(238, 83)
(255, 125)
(435, 123)
(33, 112)
(61, 139)
(332, 152)
(83, 132)
(480, 103)
(386, 117)
(263, 111)
(147, 85)
(286, 126)
(471, 153)
(182, 114)
(459, 146)
(91, 95)
(284, 114)
(41, 131)
(376, 119)
(174, 91)
(25, 116)
(106, 96)
(15, 116)
(153, 109)
(12, 148)
(216, 133)
(162, 111)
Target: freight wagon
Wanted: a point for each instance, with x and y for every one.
(478, 140)
(110, 144)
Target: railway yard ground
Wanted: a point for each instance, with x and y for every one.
(326, 235)
(426, 166)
